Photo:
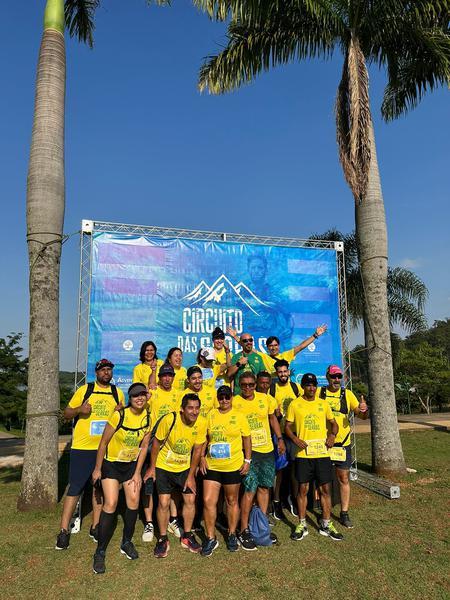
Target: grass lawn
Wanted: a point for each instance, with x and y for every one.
(398, 549)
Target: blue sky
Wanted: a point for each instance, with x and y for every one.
(143, 146)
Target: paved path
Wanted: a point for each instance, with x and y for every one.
(12, 448)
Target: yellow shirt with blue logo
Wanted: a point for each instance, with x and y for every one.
(225, 432)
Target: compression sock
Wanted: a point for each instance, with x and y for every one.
(105, 530)
(129, 523)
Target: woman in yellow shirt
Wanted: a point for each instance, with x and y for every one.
(120, 457)
(224, 464)
(175, 359)
(146, 371)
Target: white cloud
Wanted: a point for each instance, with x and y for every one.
(411, 263)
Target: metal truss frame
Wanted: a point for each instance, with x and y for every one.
(91, 227)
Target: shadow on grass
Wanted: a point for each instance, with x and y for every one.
(10, 474)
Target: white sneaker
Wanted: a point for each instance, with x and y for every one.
(149, 530)
(175, 529)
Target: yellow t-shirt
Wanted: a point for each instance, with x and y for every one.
(179, 383)
(225, 431)
(270, 361)
(257, 413)
(209, 376)
(175, 455)
(334, 400)
(162, 402)
(88, 429)
(221, 359)
(310, 425)
(124, 445)
(284, 394)
(208, 399)
(142, 372)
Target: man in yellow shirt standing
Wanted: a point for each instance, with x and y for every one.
(342, 403)
(207, 394)
(91, 406)
(259, 410)
(177, 436)
(306, 426)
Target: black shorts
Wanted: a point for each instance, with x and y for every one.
(223, 477)
(82, 463)
(310, 469)
(344, 464)
(122, 471)
(168, 482)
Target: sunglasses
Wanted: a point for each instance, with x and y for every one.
(223, 398)
(338, 376)
(248, 385)
(244, 340)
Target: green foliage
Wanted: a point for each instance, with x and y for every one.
(13, 380)
(437, 336)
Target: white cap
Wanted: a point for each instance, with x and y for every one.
(208, 353)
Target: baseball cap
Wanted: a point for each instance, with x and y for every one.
(224, 390)
(136, 389)
(308, 379)
(166, 369)
(103, 362)
(207, 353)
(334, 370)
(218, 334)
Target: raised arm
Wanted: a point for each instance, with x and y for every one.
(317, 333)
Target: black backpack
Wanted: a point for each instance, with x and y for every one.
(120, 424)
(90, 390)
(294, 386)
(343, 408)
(155, 428)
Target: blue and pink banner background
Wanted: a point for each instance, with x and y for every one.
(176, 291)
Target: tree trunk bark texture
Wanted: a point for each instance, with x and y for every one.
(45, 217)
(387, 454)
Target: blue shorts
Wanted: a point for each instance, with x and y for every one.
(82, 463)
(344, 464)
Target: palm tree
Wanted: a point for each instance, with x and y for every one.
(45, 217)
(411, 40)
(406, 292)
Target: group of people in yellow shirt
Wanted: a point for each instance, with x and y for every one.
(184, 432)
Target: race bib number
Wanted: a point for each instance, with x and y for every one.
(316, 448)
(220, 451)
(178, 460)
(338, 453)
(128, 454)
(259, 437)
(97, 427)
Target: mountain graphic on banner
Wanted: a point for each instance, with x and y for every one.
(222, 287)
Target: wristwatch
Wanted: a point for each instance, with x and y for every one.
(238, 364)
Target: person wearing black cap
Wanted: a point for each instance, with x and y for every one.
(90, 408)
(227, 457)
(120, 457)
(222, 355)
(306, 425)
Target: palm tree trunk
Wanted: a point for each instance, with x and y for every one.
(387, 454)
(45, 216)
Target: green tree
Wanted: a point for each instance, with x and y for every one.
(426, 372)
(13, 380)
(407, 293)
(437, 336)
(411, 40)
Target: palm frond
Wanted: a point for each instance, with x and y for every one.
(406, 285)
(79, 16)
(404, 313)
(285, 35)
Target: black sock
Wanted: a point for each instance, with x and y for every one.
(129, 523)
(105, 530)
(172, 519)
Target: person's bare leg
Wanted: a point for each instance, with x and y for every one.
(147, 503)
(302, 500)
(162, 513)
(69, 505)
(262, 498)
(325, 501)
(211, 491)
(188, 511)
(277, 486)
(344, 488)
(246, 506)
(97, 505)
(232, 500)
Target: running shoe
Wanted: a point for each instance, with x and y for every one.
(175, 528)
(93, 533)
(62, 540)
(189, 542)
(278, 513)
(331, 532)
(246, 540)
(148, 533)
(273, 539)
(162, 548)
(209, 546)
(129, 550)
(301, 531)
(292, 505)
(232, 543)
(344, 520)
(99, 562)
(271, 520)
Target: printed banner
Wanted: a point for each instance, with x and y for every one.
(176, 291)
